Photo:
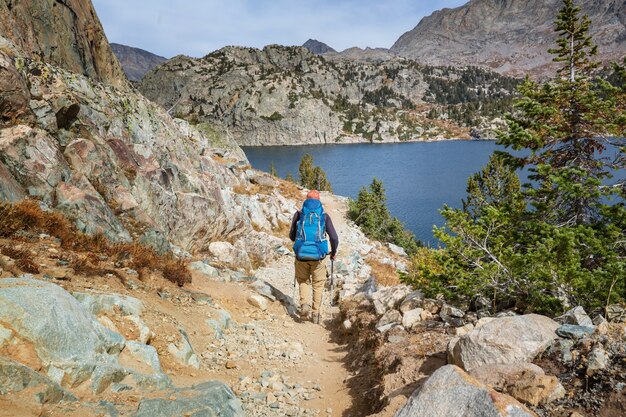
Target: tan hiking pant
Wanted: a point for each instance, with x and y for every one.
(315, 271)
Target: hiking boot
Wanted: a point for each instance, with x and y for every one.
(305, 311)
(315, 318)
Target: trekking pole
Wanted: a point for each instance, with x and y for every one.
(332, 282)
(319, 312)
(295, 292)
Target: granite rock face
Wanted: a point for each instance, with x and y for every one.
(15, 377)
(65, 33)
(511, 37)
(108, 158)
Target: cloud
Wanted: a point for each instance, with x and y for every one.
(195, 28)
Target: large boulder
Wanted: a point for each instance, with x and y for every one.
(230, 256)
(504, 340)
(389, 297)
(208, 399)
(450, 392)
(15, 377)
(70, 343)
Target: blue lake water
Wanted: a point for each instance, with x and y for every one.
(419, 178)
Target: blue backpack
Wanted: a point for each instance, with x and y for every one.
(311, 243)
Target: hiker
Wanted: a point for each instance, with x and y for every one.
(310, 228)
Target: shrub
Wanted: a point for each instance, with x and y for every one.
(176, 271)
(27, 215)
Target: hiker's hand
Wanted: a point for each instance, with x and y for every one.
(332, 257)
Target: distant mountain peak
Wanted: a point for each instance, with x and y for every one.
(317, 47)
(136, 62)
(502, 35)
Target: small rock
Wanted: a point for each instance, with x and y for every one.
(615, 313)
(598, 360)
(536, 389)
(347, 325)
(258, 301)
(391, 316)
(204, 268)
(448, 310)
(388, 298)
(412, 317)
(387, 327)
(426, 315)
(432, 306)
(396, 249)
(412, 301)
(463, 330)
(576, 316)
(231, 365)
(572, 331)
(480, 303)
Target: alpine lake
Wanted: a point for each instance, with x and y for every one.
(419, 177)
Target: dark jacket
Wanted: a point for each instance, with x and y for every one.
(330, 231)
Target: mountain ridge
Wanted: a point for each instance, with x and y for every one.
(136, 62)
(492, 34)
(287, 95)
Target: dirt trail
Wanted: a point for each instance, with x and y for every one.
(257, 348)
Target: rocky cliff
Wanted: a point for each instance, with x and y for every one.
(109, 159)
(119, 165)
(511, 37)
(289, 96)
(136, 62)
(64, 33)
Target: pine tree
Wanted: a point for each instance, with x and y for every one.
(273, 170)
(564, 125)
(311, 176)
(305, 170)
(369, 211)
(562, 236)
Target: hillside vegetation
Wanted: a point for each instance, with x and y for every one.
(287, 96)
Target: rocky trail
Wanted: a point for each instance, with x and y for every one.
(219, 327)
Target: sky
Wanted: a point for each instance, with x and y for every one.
(197, 27)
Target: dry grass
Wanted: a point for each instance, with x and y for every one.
(176, 271)
(283, 229)
(23, 259)
(28, 216)
(27, 265)
(13, 252)
(88, 266)
(252, 189)
(384, 274)
(290, 190)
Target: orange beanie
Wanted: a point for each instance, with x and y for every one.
(313, 194)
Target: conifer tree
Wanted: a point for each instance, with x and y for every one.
(561, 238)
(311, 176)
(563, 124)
(290, 178)
(273, 170)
